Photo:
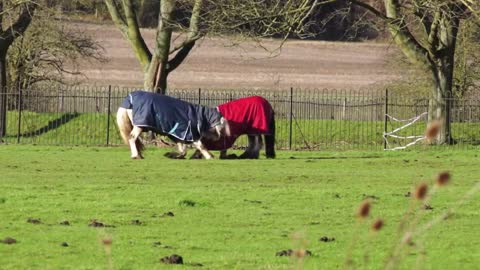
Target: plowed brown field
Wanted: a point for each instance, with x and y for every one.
(214, 64)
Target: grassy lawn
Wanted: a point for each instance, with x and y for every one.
(231, 214)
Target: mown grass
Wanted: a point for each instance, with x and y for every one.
(228, 214)
(309, 134)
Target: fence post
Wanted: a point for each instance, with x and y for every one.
(386, 120)
(291, 120)
(19, 114)
(199, 96)
(108, 113)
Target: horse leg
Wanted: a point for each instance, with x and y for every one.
(133, 141)
(253, 149)
(196, 155)
(182, 150)
(270, 139)
(270, 146)
(248, 151)
(258, 143)
(198, 144)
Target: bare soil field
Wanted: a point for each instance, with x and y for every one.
(215, 64)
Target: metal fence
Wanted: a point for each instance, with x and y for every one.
(305, 119)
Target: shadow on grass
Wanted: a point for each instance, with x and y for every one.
(53, 124)
(320, 158)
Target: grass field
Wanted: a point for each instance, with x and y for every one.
(230, 214)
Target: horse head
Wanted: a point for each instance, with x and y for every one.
(221, 129)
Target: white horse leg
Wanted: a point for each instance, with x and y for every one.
(132, 142)
(182, 149)
(198, 144)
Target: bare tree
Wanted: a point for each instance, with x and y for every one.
(426, 32)
(195, 19)
(19, 13)
(49, 51)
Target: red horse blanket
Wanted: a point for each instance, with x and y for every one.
(250, 116)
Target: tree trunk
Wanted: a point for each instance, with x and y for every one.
(440, 107)
(157, 73)
(444, 64)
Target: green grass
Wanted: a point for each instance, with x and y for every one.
(227, 214)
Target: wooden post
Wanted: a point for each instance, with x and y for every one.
(386, 120)
(108, 113)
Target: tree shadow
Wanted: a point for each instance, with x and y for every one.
(53, 124)
(341, 157)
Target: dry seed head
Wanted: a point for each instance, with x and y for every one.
(107, 241)
(443, 178)
(433, 128)
(407, 238)
(300, 253)
(421, 191)
(377, 225)
(364, 209)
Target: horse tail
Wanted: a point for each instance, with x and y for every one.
(125, 127)
(270, 138)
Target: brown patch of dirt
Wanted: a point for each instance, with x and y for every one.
(136, 222)
(98, 224)
(9, 240)
(327, 239)
(173, 259)
(297, 253)
(214, 64)
(34, 221)
(95, 223)
(65, 223)
(427, 207)
(168, 214)
(373, 197)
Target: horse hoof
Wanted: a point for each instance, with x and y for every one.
(174, 155)
(229, 156)
(137, 157)
(232, 156)
(194, 156)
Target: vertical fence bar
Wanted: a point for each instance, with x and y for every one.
(19, 127)
(291, 120)
(386, 119)
(108, 113)
(199, 96)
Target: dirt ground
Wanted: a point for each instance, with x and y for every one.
(215, 64)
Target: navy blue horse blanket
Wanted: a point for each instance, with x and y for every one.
(170, 116)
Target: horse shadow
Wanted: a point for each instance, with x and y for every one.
(52, 124)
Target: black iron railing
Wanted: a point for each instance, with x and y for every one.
(305, 119)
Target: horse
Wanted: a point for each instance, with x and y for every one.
(252, 116)
(183, 122)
